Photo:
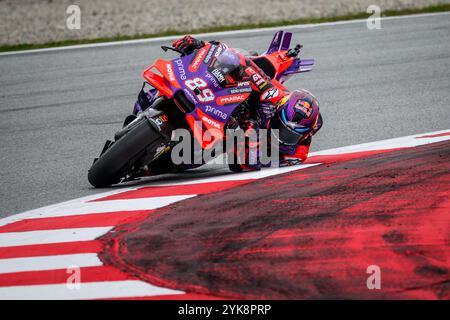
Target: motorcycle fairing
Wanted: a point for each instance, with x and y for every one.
(165, 81)
(276, 54)
(214, 103)
(212, 109)
(280, 42)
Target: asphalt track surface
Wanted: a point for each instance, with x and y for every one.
(58, 107)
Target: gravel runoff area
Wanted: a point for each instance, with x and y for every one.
(43, 21)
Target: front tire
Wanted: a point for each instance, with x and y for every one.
(114, 164)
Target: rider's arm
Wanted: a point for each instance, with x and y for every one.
(271, 91)
(299, 152)
(188, 44)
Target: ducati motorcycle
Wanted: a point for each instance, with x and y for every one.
(189, 92)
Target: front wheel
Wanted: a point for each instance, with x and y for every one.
(116, 162)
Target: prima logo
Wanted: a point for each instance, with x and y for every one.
(181, 70)
(216, 112)
(212, 79)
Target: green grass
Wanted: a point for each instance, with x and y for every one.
(362, 15)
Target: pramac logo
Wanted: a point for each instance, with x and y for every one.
(195, 65)
(234, 98)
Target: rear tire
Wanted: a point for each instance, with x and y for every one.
(119, 158)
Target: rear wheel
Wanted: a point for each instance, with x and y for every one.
(116, 161)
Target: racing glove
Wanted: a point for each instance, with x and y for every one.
(188, 44)
(246, 153)
(290, 155)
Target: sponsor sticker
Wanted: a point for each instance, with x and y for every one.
(256, 77)
(235, 98)
(195, 64)
(261, 83)
(270, 93)
(304, 107)
(250, 71)
(219, 50)
(212, 79)
(211, 122)
(210, 54)
(159, 121)
(240, 90)
(181, 70)
(216, 112)
(218, 75)
(170, 73)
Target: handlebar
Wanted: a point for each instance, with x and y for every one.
(165, 48)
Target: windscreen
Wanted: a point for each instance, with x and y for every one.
(228, 62)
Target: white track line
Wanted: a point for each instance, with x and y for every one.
(13, 239)
(74, 202)
(219, 34)
(112, 206)
(403, 142)
(49, 263)
(236, 176)
(88, 290)
(82, 206)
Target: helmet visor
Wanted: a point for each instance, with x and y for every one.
(228, 61)
(286, 135)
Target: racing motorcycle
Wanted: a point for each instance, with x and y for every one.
(181, 94)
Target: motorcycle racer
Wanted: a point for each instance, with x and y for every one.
(295, 114)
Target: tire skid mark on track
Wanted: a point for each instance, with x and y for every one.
(388, 209)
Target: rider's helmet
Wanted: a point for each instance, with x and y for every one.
(297, 117)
